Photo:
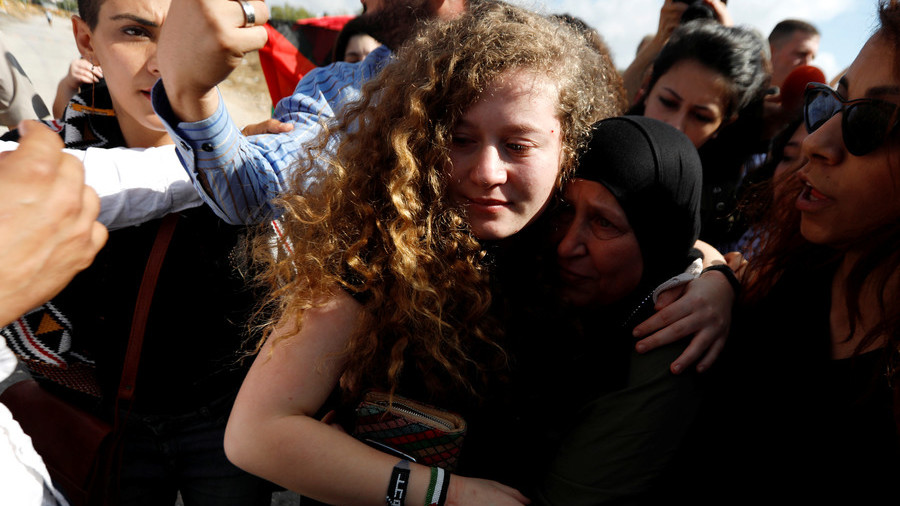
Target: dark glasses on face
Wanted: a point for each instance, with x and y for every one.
(865, 124)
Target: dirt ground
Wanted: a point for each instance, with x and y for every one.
(45, 51)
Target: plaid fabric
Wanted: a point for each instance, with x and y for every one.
(431, 436)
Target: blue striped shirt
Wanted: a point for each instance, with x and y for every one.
(243, 174)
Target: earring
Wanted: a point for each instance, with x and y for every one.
(92, 81)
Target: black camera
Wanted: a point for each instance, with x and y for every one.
(697, 9)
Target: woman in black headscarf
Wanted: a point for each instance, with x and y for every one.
(633, 216)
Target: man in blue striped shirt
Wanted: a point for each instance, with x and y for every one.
(202, 41)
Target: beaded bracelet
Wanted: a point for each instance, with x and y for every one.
(437, 487)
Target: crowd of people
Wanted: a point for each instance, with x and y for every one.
(679, 280)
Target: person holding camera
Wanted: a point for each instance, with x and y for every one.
(672, 14)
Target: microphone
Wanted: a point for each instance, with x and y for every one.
(795, 85)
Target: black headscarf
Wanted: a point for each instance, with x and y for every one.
(654, 172)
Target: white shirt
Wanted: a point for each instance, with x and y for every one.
(134, 185)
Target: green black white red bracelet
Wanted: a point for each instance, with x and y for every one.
(437, 487)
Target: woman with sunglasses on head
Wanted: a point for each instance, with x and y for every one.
(818, 418)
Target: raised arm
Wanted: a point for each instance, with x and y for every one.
(238, 175)
(272, 432)
(669, 19)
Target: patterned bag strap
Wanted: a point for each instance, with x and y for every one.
(141, 310)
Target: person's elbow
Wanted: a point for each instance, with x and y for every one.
(242, 446)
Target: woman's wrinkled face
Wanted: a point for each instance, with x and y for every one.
(599, 258)
(124, 44)
(690, 97)
(506, 154)
(846, 197)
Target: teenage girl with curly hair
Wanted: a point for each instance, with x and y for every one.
(454, 143)
(457, 145)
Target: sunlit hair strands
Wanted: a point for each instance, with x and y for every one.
(379, 225)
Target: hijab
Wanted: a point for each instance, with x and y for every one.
(655, 174)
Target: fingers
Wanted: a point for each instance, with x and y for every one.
(200, 44)
(252, 36)
(712, 354)
(669, 296)
(705, 347)
(671, 327)
(84, 72)
(49, 224)
(721, 11)
(690, 355)
(269, 126)
(663, 318)
(36, 137)
(35, 158)
(704, 312)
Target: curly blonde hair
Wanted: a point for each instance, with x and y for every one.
(379, 225)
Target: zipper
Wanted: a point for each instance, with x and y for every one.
(409, 410)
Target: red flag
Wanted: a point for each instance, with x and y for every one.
(282, 64)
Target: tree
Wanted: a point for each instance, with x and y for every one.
(288, 13)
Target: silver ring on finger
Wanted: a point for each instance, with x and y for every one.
(249, 13)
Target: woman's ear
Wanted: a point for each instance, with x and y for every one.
(84, 39)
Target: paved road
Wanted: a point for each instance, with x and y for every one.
(46, 51)
(43, 51)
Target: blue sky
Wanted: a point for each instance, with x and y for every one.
(845, 24)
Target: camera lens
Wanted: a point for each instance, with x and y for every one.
(698, 10)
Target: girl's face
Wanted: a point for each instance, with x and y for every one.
(599, 257)
(690, 97)
(124, 44)
(846, 197)
(791, 157)
(506, 154)
(358, 47)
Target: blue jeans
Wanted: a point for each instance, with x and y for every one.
(165, 454)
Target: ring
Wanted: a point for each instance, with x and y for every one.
(249, 13)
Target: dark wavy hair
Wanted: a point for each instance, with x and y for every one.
(89, 10)
(354, 27)
(379, 225)
(739, 54)
(784, 248)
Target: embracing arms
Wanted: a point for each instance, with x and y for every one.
(272, 432)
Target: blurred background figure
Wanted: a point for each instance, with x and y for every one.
(81, 71)
(18, 100)
(792, 43)
(354, 42)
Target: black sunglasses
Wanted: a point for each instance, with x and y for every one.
(866, 122)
